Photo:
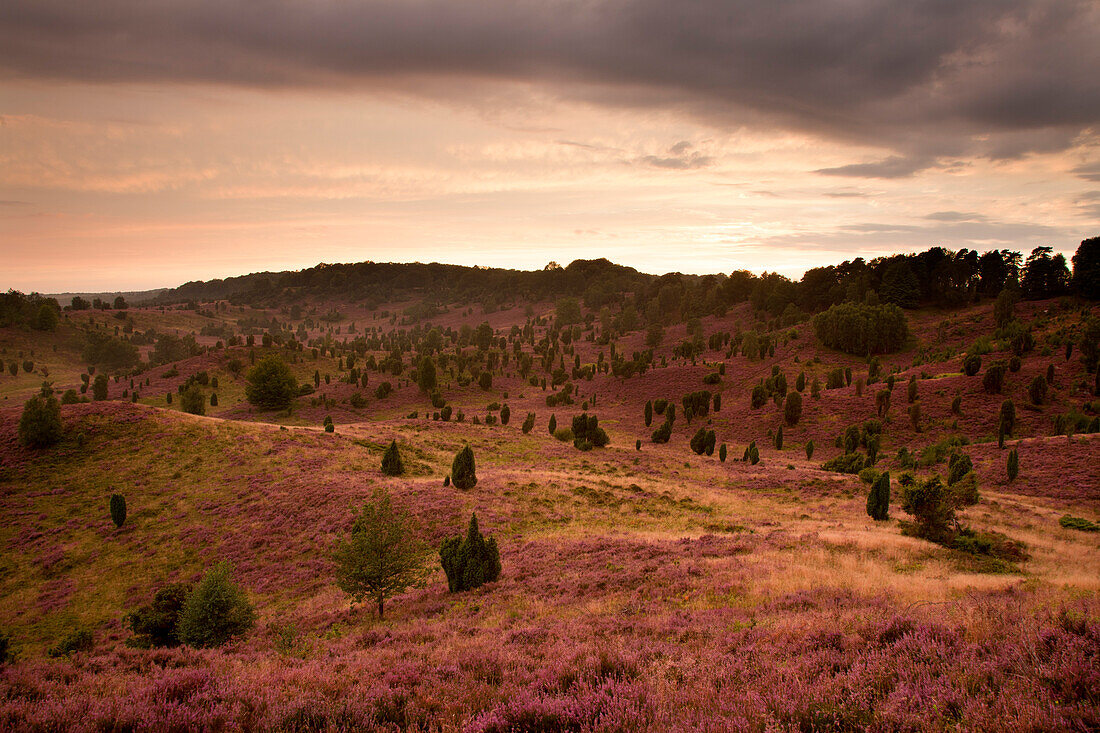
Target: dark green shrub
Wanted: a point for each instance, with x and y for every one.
(809, 450)
(1037, 390)
(972, 364)
(1014, 364)
(722, 453)
(215, 611)
(157, 625)
(1008, 417)
(779, 438)
(958, 466)
(792, 408)
(698, 441)
(638, 444)
(759, 396)
(956, 405)
(470, 561)
(1013, 465)
(911, 391)
(552, 426)
(7, 653)
(117, 506)
(1078, 523)
(193, 401)
(40, 423)
(648, 413)
(709, 442)
(485, 381)
(77, 641)
(505, 415)
(271, 385)
(994, 379)
(930, 504)
(717, 401)
(70, 397)
(663, 433)
(383, 390)
(528, 423)
(463, 470)
(214, 399)
(99, 388)
(851, 463)
(754, 453)
(878, 499)
(391, 461)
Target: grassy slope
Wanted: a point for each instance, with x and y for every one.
(646, 589)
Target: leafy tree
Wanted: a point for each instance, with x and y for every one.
(215, 611)
(463, 471)
(270, 384)
(1086, 268)
(40, 424)
(878, 500)
(157, 625)
(391, 461)
(384, 555)
(118, 509)
(1004, 308)
(470, 561)
(1044, 276)
(862, 329)
(46, 319)
(193, 401)
(567, 311)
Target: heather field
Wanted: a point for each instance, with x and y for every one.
(643, 586)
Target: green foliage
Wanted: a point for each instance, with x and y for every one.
(861, 329)
(117, 506)
(463, 470)
(157, 625)
(930, 504)
(79, 640)
(972, 364)
(470, 561)
(384, 555)
(99, 388)
(662, 434)
(215, 611)
(193, 401)
(383, 390)
(1078, 523)
(994, 378)
(851, 463)
(426, 378)
(565, 435)
(792, 408)
(391, 461)
(878, 499)
(270, 384)
(1037, 390)
(698, 441)
(528, 423)
(759, 397)
(110, 352)
(958, 466)
(587, 432)
(40, 423)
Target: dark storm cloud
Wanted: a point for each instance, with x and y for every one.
(925, 78)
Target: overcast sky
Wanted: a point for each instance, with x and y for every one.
(146, 143)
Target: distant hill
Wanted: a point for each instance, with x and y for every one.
(132, 296)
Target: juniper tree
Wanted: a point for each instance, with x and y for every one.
(528, 423)
(552, 425)
(648, 412)
(878, 499)
(40, 423)
(1013, 466)
(470, 561)
(117, 506)
(722, 453)
(1008, 417)
(809, 450)
(779, 438)
(391, 461)
(698, 441)
(463, 471)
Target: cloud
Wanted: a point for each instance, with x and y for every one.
(1089, 171)
(893, 167)
(955, 216)
(992, 77)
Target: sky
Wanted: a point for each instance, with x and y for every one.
(145, 143)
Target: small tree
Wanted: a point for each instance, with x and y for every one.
(192, 400)
(505, 415)
(972, 364)
(485, 381)
(648, 412)
(698, 441)
(779, 438)
(157, 625)
(528, 423)
(215, 611)
(878, 500)
(809, 450)
(271, 385)
(463, 474)
(383, 556)
(1013, 466)
(1008, 416)
(1037, 390)
(722, 453)
(552, 426)
(426, 375)
(792, 408)
(118, 509)
(994, 378)
(99, 388)
(40, 424)
(470, 561)
(391, 461)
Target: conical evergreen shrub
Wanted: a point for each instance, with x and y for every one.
(463, 474)
(118, 509)
(391, 461)
(878, 500)
(470, 561)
